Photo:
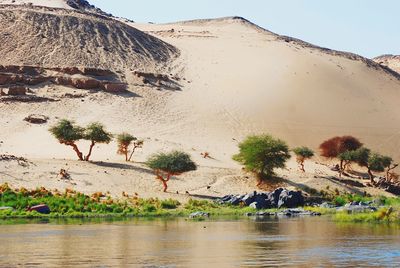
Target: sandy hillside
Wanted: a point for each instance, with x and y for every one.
(227, 78)
(391, 61)
(46, 37)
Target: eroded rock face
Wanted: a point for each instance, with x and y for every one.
(88, 78)
(15, 91)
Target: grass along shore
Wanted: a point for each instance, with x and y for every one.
(72, 204)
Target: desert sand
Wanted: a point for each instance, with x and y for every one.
(232, 79)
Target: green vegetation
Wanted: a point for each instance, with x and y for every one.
(262, 154)
(124, 142)
(72, 204)
(68, 133)
(96, 133)
(170, 164)
(302, 154)
(336, 147)
(374, 162)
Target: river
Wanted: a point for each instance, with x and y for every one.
(298, 242)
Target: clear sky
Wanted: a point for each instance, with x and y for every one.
(366, 27)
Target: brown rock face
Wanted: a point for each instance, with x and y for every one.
(16, 91)
(85, 83)
(114, 87)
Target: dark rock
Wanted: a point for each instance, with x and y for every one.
(199, 214)
(36, 119)
(290, 199)
(42, 209)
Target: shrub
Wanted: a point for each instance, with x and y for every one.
(302, 154)
(170, 164)
(124, 141)
(262, 154)
(170, 204)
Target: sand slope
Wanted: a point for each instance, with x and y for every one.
(235, 79)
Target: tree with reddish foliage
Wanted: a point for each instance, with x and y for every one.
(335, 146)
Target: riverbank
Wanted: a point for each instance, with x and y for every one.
(42, 203)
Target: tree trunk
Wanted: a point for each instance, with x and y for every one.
(90, 151)
(390, 168)
(302, 166)
(133, 150)
(161, 178)
(371, 176)
(76, 149)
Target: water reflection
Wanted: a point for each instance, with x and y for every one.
(308, 242)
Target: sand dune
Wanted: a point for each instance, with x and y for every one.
(233, 79)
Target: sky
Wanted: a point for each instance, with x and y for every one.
(366, 27)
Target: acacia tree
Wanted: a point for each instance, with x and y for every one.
(170, 164)
(335, 146)
(66, 132)
(124, 141)
(96, 133)
(262, 154)
(374, 162)
(302, 154)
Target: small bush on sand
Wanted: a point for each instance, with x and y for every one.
(170, 164)
(262, 154)
(124, 142)
(302, 154)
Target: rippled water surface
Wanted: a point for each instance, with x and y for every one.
(308, 242)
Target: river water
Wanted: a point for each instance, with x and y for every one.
(301, 242)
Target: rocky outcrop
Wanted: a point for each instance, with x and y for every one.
(280, 198)
(15, 77)
(14, 91)
(390, 61)
(36, 119)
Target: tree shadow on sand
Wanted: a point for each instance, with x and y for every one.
(123, 166)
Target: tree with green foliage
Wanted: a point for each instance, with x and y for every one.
(262, 154)
(302, 154)
(124, 142)
(66, 132)
(96, 133)
(170, 164)
(374, 162)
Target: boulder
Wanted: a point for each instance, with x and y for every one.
(249, 198)
(5, 79)
(85, 83)
(17, 91)
(36, 119)
(42, 209)
(199, 214)
(114, 87)
(273, 197)
(290, 199)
